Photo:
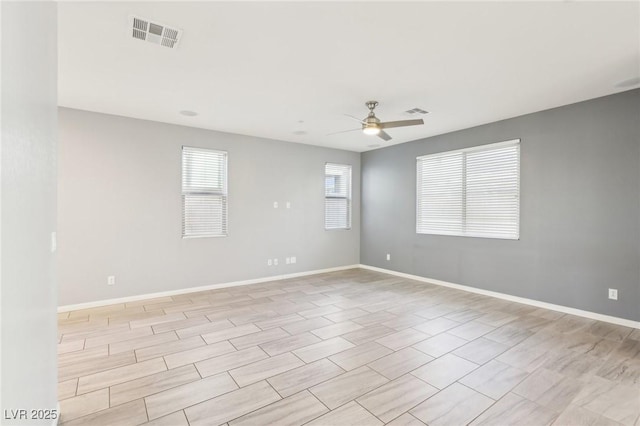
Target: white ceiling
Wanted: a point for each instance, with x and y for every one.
(272, 69)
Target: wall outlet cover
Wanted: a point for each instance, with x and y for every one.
(293, 259)
(613, 293)
(111, 280)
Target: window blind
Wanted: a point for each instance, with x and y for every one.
(204, 192)
(337, 206)
(473, 192)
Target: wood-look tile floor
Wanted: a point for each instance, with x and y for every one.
(344, 348)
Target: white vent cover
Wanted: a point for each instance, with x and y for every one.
(154, 32)
(416, 111)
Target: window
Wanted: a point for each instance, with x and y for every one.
(337, 196)
(470, 192)
(204, 192)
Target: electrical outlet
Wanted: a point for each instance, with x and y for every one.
(275, 204)
(388, 256)
(287, 260)
(269, 262)
(613, 293)
(111, 280)
(288, 204)
(275, 262)
(293, 259)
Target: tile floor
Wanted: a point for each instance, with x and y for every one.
(344, 348)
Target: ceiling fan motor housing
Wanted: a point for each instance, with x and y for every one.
(371, 124)
(371, 121)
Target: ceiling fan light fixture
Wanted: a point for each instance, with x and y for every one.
(371, 130)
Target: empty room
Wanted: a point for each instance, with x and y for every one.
(320, 213)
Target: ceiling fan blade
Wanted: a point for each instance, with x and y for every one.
(401, 123)
(342, 131)
(384, 135)
(355, 118)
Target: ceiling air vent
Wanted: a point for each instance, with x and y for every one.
(154, 32)
(416, 111)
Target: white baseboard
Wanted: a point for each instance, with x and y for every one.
(503, 296)
(523, 300)
(98, 303)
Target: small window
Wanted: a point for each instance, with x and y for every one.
(337, 196)
(204, 192)
(473, 192)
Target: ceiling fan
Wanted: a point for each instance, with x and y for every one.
(371, 125)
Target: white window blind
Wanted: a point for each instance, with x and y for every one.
(337, 201)
(473, 192)
(204, 192)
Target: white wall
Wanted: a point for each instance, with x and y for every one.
(120, 209)
(28, 200)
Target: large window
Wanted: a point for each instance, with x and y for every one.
(473, 192)
(337, 196)
(204, 192)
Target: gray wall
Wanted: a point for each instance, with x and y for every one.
(119, 186)
(580, 209)
(28, 377)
